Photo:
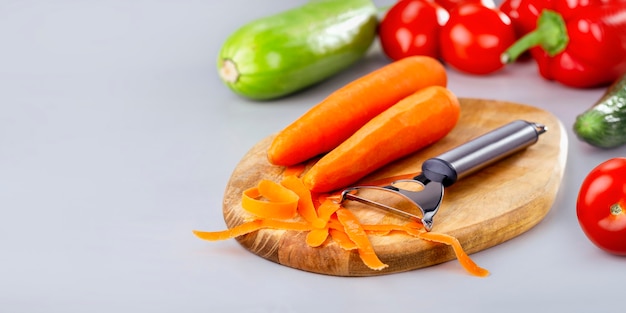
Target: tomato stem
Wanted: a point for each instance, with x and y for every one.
(616, 209)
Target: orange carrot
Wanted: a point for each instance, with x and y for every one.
(463, 258)
(337, 117)
(269, 199)
(357, 234)
(413, 123)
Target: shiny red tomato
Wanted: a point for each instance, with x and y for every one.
(411, 27)
(601, 206)
(451, 4)
(475, 37)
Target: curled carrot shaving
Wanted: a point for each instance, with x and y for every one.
(274, 205)
(236, 231)
(342, 239)
(463, 258)
(385, 229)
(317, 237)
(270, 200)
(414, 228)
(338, 234)
(327, 209)
(306, 209)
(357, 234)
(286, 225)
(334, 223)
(249, 227)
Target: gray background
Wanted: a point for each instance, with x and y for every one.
(117, 139)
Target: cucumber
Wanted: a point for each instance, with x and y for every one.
(604, 124)
(278, 55)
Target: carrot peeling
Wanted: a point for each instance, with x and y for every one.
(275, 205)
(236, 231)
(271, 200)
(306, 209)
(317, 237)
(341, 226)
(286, 225)
(463, 258)
(357, 234)
(251, 226)
(342, 239)
(327, 209)
(386, 229)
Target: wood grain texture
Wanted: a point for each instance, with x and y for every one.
(487, 208)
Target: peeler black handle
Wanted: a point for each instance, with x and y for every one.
(448, 167)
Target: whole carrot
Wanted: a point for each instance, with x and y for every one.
(413, 123)
(343, 112)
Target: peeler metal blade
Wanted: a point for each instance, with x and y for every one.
(425, 202)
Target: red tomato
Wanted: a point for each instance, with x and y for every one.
(451, 4)
(411, 27)
(475, 37)
(601, 206)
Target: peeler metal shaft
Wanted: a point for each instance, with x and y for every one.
(481, 151)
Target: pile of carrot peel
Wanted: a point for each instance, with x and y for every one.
(289, 205)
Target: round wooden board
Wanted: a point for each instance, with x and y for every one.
(489, 207)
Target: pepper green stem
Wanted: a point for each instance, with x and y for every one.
(550, 34)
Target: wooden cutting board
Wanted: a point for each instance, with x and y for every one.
(489, 207)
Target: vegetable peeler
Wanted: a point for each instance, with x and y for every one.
(420, 197)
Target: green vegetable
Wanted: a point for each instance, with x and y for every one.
(281, 54)
(604, 124)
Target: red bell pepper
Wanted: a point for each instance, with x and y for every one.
(524, 13)
(579, 46)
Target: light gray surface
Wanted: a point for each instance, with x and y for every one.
(117, 139)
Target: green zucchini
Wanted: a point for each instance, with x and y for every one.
(281, 54)
(604, 124)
